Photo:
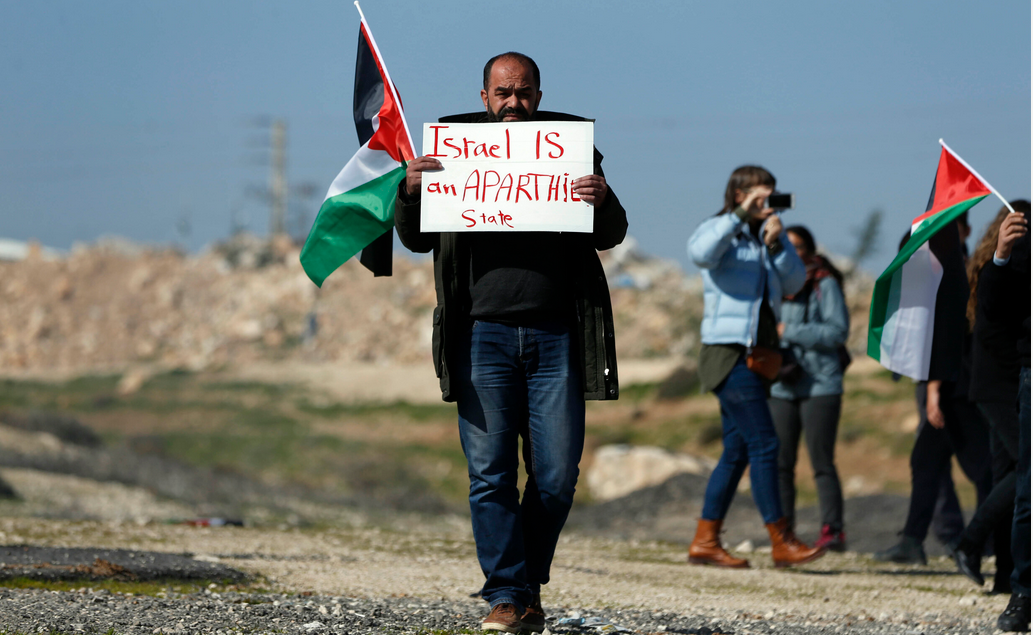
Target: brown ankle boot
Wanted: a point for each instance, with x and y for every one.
(786, 548)
(706, 547)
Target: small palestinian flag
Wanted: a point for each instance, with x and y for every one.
(900, 324)
(359, 207)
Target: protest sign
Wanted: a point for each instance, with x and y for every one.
(507, 177)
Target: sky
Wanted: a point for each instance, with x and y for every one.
(150, 120)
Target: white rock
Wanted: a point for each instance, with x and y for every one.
(621, 469)
(746, 546)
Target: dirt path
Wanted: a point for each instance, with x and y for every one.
(434, 560)
(358, 382)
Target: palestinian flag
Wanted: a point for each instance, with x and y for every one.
(359, 207)
(900, 324)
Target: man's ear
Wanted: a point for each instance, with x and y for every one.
(538, 101)
(484, 97)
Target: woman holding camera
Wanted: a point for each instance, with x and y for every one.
(807, 398)
(747, 264)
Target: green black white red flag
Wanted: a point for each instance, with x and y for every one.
(358, 212)
(900, 323)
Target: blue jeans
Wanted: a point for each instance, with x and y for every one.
(519, 382)
(1020, 522)
(749, 439)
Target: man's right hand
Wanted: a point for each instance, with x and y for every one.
(1013, 227)
(414, 173)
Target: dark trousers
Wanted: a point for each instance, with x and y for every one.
(1020, 524)
(818, 419)
(965, 436)
(994, 516)
(948, 522)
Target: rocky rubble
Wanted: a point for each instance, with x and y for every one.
(116, 305)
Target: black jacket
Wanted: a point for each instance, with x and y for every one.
(950, 326)
(452, 266)
(1001, 336)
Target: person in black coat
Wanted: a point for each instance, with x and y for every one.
(1004, 300)
(996, 364)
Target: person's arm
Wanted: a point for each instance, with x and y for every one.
(407, 207)
(832, 330)
(933, 412)
(712, 238)
(992, 293)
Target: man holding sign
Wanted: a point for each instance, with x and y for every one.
(523, 330)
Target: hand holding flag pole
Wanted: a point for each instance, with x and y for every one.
(902, 314)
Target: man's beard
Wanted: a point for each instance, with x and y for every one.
(500, 115)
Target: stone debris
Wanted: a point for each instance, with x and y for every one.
(121, 306)
(89, 610)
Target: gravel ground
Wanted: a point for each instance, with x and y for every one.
(100, 611)
(416, 575)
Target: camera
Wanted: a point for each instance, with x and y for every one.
(781, 201)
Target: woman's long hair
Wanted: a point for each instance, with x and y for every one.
(811, 247)
(743, 178)
(984, 253)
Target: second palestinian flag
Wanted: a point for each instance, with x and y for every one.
(359, 206)
(900, 324)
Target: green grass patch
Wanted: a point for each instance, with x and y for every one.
(639, 392)
(396, 410)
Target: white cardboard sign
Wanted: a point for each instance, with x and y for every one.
(507, 177)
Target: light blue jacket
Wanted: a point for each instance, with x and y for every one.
(733, 264)
(815, 341)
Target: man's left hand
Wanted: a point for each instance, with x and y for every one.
(591, 189)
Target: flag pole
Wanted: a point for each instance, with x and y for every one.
(387, 76)
(969, 168)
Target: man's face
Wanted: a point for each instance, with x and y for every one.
(511, 94)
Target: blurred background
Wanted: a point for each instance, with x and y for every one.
(160, 164)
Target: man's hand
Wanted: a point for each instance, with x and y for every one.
(1012, 229)
(932, 405)
(772, 228)
(414, 173)
(591, 189)
(781, 330)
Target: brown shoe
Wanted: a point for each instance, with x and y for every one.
(534, 617)
(787, 549)
(706, 547)
(502, 618)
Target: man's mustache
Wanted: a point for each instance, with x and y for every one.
(508, 110)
